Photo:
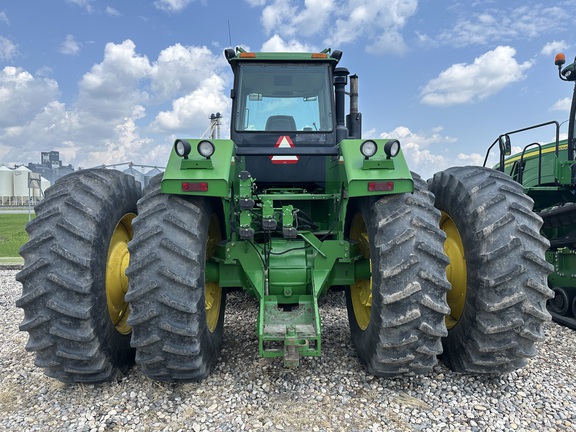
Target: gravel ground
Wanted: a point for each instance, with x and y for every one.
(329, 393)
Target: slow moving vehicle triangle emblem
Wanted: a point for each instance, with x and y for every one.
(284, 142)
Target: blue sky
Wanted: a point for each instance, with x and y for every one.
(109, 81)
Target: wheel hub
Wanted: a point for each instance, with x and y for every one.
(455, 271)
(361, 290)
(116, 279)
(212, 291)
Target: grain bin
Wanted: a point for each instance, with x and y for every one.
(6, 184)
(136, 174)
(21, 184)
(44, 184)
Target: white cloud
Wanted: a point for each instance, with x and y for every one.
(125, 144)
(181, 69)
(428, 152)
(554, 47)
(192, 110)
(562, 104)
(70, 46)
(8, 49)
(111, 89)
(277, 44)
(112, 12)
(275, 16)
(46, 129)
(388, 42)
(85, 4)
(172, 5)
(380, 21)
(471, 159)
(23, 95)
(110, 121)
(309, 20)
(466, 83)
(488, 26)
(340, 22)
(4, 17)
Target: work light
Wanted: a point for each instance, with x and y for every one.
(206, 148)
(182, 148)
(392, 148)
(368, 148)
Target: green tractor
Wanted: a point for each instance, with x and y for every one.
(548, 174)
(294, 203)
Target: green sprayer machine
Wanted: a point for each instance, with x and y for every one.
(548, 174)
(293, 204)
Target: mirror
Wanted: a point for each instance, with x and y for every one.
(508, 146)
(255, 97)
(505, 145)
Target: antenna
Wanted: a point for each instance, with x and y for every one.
(229, 34)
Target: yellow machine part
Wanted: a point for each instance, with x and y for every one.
(455, 271)
(361, 290)
(212, 291)
(116, 279)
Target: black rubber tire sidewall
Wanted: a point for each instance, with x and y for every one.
(507, 272)
(403, 334)
(171, 337)
(77, 218)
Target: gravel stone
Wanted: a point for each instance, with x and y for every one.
(248, 393)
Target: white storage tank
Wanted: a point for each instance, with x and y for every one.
(6, 184)
(44, 184)
(21, 182)
(35, 192)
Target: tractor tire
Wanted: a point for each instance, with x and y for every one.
(176, 316)
(497, 270)
(397, 317)
(73, 281)
(561, 304)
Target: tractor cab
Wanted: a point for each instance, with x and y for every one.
(286, 114)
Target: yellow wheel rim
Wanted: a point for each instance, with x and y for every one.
(361, 290)
(455, 271)
(116, 279)
(212, 291)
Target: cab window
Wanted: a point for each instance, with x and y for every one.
(288, 97)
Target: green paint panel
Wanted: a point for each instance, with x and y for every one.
(216, 173)
(288, 273)
(358, 172)
(564, 262)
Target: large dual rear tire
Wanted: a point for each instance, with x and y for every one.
(177, 316)
(397, 316)
(73, 281)
(497, 273)
(497, 270)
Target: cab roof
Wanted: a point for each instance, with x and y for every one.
(241, 55)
